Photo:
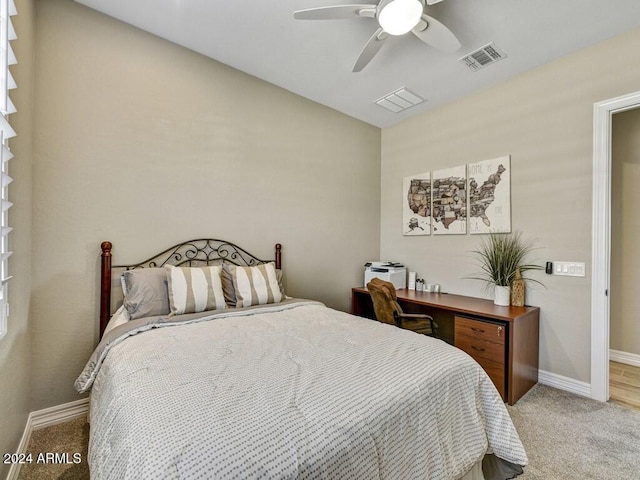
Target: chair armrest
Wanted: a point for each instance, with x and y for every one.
(415, 316)
(399, 317)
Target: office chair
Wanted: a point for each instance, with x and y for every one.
(387, 309)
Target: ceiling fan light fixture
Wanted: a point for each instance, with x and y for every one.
(398, 17)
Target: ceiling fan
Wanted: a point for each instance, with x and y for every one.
(395, 17)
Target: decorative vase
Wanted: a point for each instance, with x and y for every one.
(517, 290)
(502, 295)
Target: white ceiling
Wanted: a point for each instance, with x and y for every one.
(314, 58)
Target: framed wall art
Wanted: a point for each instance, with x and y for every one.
(490, 196)
(449, 202)
(416, 204)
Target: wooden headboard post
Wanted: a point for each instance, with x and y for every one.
(105, 286)
(278, 256)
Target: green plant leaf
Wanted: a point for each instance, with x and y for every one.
(500, 255)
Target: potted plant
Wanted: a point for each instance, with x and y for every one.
(502, 258)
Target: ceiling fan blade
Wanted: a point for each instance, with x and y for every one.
(370, 49)
(436, 34)
(333, 12)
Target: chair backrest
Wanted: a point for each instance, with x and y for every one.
(383, 295)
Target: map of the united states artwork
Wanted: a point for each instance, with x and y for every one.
(448, 202)
(490, 196)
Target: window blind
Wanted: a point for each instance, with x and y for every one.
(7, 83)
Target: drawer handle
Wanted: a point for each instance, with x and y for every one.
(479, 330)
(479, 349)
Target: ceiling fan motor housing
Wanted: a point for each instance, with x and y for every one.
(398, 17)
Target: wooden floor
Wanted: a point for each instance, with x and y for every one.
(624, 384)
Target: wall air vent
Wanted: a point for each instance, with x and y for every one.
(483, 56)
(399, 100)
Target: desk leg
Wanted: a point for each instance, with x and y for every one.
(361, 305)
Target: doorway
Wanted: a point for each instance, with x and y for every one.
(601, 239)
(624, 328)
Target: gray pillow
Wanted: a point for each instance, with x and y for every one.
(147, 292)
(227, 286)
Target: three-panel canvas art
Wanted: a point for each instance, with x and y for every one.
(473, 198)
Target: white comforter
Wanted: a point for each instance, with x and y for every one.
(294, 390)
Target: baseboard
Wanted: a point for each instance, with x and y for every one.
(14, 470)
(46, 418)
(59, 414)
(564, 383)
(624, 357)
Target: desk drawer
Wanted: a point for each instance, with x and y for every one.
(480, 330)
(496, 372)
(479, 348)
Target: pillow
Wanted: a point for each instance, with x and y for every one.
(194, 289)
(123, 284)
(227, 284)
(256, 285)
(119, 318)
(146, 292)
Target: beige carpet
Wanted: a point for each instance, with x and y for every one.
(567, 437)
(71, 438)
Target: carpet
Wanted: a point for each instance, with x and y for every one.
(69, 438)
(567, 436)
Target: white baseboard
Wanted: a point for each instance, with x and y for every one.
(14, 470)
(59, 414)
(46, 418)
(624, 357)
(584, 388)
(564, 383)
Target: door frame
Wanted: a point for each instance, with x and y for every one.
(601, 238)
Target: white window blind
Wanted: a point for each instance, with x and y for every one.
(7, 83)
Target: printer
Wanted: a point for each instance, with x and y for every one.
(393, 272)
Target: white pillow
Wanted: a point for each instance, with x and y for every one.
(194, 289)
(119, 318)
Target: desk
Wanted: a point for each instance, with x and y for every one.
(503, 340)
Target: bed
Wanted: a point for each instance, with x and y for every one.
(238, 380)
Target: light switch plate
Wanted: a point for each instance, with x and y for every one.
(569, 269)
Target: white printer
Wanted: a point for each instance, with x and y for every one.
(393, 272)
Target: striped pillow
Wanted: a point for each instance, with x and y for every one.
(256, 285)
(227, 284)
(193, 290)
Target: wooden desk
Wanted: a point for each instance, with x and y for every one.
(507, 348)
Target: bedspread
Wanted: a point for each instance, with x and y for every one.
(292, 390)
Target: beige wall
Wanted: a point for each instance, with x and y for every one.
(146, 144)
(544, 120)
(625, 231)
(14, 347)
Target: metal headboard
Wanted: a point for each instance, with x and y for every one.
(203, 251)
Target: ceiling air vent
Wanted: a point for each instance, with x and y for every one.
(399, 100)
(483, 56)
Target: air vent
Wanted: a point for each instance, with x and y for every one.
(399, 100)
(483, 56)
